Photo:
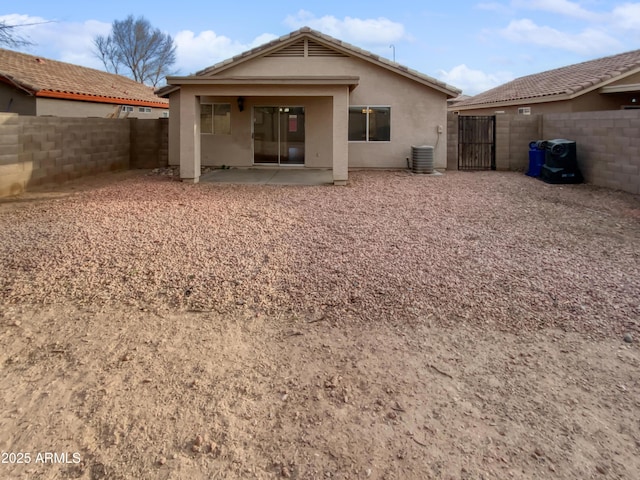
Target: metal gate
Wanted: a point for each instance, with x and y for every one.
(476, 143)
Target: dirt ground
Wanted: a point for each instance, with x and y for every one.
(464, 388)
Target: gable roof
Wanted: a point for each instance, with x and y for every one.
(562, 83)
(319, 44)
(42, 77)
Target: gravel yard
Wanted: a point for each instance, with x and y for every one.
(462, 326)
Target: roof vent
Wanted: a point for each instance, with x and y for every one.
(40, 60)
(318, 50)
(294, 50)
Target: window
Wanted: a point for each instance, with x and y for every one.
(524, 111)
(369, 124)
(165, 114)
(144, 109)
(215, 118)
(126, 108)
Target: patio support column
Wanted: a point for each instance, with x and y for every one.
(189, 137)
(341, 136)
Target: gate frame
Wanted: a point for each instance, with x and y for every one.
(492, 153)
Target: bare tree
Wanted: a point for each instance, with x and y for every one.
(9, 37)
(135, 47)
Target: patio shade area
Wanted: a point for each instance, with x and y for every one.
(270, 176)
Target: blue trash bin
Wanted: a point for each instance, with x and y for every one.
(536, 157)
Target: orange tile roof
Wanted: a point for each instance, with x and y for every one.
(564, 82)
(50, 78)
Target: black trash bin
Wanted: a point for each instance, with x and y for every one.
(560, 162)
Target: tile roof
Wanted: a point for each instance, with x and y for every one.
(565, 82)
(335, 43)
(50, 78)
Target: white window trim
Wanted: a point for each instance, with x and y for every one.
(367, 124)
(524, 110)
(213, 109)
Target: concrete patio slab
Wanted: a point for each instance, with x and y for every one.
(268, 176)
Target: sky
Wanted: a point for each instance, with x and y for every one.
(471, 45)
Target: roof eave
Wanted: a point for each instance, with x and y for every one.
(627, 88)
(266, 80)
(99, 99)
(167, 90)
(9, 80)
(512, 103)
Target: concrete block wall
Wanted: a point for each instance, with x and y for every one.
(503, 142)
(608, 145)
(513, 135)
(61, 149)
(452, 141)
(42, 150)
(149, 143)
(13, 174)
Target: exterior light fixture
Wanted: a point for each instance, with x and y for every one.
(241, 103)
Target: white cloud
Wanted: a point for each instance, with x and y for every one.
(369, 31)
(560, 7)
(627, 16)
(588, 42)
(472, 81)
(197, 52)
(65, 41)
(73, 42)
(262, 39)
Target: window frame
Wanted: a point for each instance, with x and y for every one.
(367, 124)
(213, 110)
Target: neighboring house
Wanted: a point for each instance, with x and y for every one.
(306, 100)
(609, 83)
(38, 86)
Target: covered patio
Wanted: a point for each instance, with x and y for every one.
(314, 108)
(270, 176)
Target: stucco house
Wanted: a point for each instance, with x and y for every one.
(305, 100)
(609, 83)
(37, 86)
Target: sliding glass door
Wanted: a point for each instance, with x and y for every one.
(278, 135)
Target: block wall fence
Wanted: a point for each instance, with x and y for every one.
(608, 143)
(42, 150)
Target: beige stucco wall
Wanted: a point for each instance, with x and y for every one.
(174, 129)
(418, 112)
(72, 108)
(236, 149)
(13, 101)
